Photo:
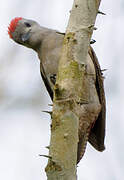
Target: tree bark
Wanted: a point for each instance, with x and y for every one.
(72, 93)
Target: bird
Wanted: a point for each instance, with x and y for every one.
(47, 43)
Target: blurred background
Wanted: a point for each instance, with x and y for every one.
(24, 128)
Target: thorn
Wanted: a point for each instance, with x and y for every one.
(46, 156)
(92, 41)
(53, 78)
(48, 147)
(60, 33)
(65, 135)
(50, 104)
(94, 28)
(49, 112)
(99, 12)
(104, 70)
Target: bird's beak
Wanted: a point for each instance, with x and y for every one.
(26, 36)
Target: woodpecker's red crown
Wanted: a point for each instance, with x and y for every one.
(13, 25)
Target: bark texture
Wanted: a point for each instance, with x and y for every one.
(75, 96)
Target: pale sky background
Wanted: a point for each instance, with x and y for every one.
(24, 128)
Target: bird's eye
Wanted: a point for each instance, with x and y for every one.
(27, 24)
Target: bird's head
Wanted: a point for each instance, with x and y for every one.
(25, 32)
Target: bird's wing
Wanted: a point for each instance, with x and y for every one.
(46, 81)
(97, 134)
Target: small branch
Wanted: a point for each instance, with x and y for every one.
(75, 104)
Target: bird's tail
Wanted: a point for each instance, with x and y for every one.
(84, 131)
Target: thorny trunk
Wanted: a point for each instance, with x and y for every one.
(72, 93)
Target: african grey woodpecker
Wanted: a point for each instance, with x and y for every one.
(48, 44)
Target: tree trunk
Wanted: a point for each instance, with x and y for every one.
(71, 93)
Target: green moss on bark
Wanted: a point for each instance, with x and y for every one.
(52, 166)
